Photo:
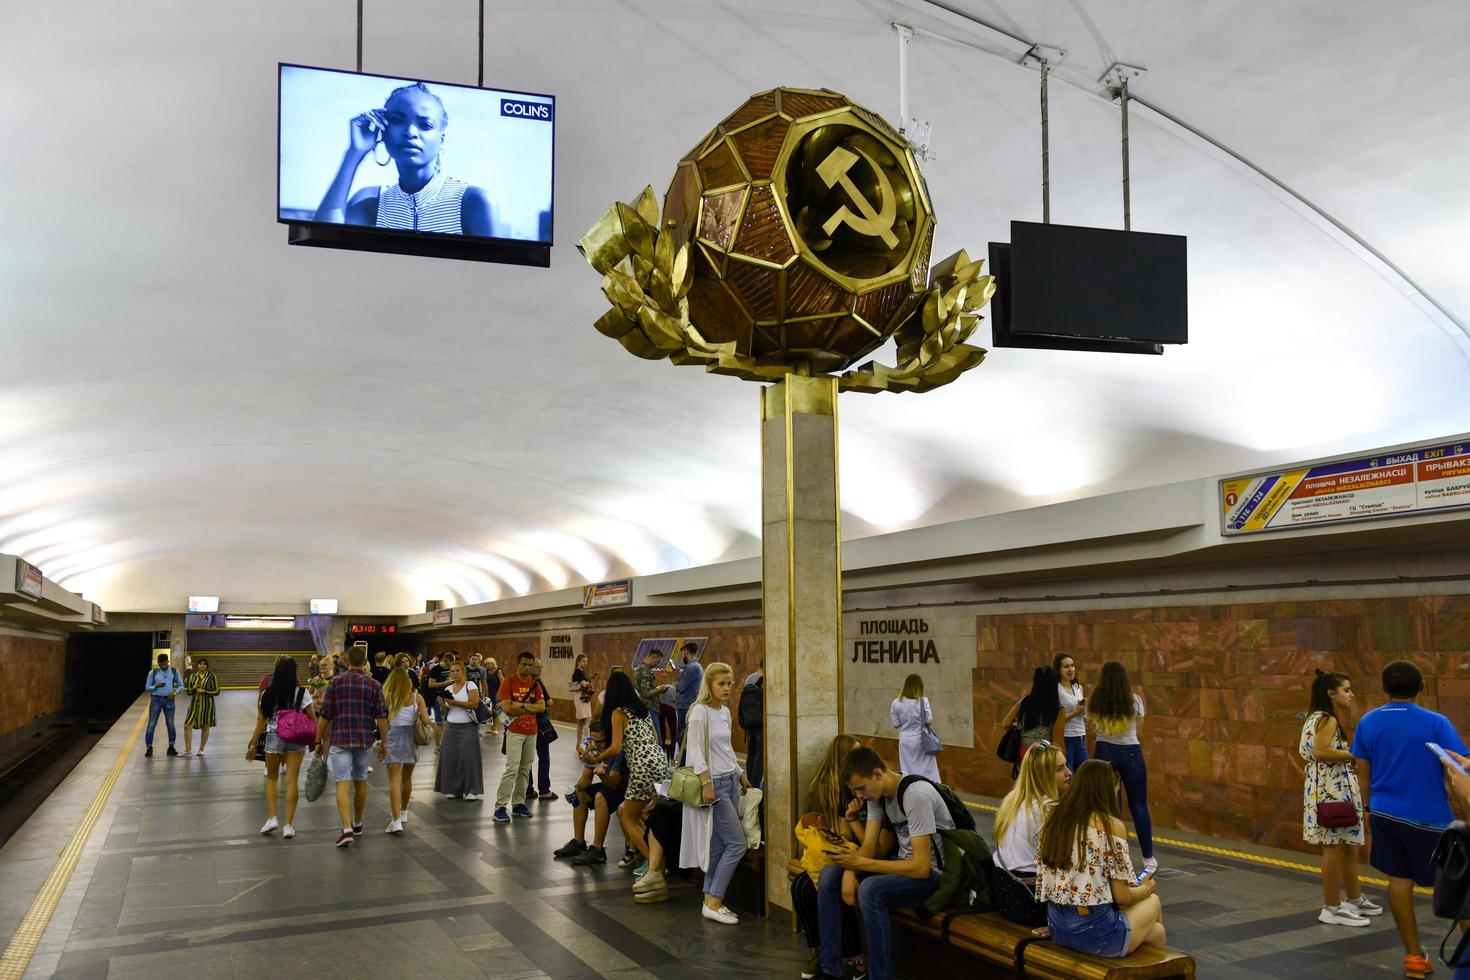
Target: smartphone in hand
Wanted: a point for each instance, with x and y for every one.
(1446, 758)
(1145, 876)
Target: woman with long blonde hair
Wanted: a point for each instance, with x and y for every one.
(828, 797)
(709, 751)
(911, 714)
(405, 708)
(1115, 711)
(1042, 780)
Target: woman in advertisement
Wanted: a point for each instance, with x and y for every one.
(411, 127)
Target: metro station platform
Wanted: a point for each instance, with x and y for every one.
(171, 878)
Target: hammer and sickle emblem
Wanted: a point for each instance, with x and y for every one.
(873, 222)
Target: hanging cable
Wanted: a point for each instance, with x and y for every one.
(480, 77)
(359, 36)
(1045, 153)
(1127, 198)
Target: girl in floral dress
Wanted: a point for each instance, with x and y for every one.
(1085, 876)
(1330, 778)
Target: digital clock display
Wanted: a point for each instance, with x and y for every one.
(362, 629)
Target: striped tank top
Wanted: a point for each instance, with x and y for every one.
(435, 208)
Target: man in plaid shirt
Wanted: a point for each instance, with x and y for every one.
(352, 705)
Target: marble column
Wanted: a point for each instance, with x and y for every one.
(801, 602)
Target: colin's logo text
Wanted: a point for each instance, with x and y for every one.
(540, 111)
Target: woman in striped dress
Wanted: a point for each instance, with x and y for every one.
(204, 687)
(411, 125)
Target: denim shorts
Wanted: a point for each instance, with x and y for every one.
(349, 764)
(401, 748)
(275, 745)
(1103, 931)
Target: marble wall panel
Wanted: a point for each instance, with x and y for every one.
(34, 672)
(1226, 688)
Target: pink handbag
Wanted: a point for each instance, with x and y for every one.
(295, 727)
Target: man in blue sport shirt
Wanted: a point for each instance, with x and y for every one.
(1407, 802)
(163, 684)
(686, 690)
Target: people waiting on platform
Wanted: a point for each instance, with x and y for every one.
(1037, 710)
(588, 745)
(1329, 778)
(281, 694)
(1115, 711)
(828, 803)
(580, 689)
(713, 836)
(1408, 807)
(602, 798)
(493, 679)
(406, 709)
(522, 699)
(1074, 709)
(1094, 903)
(163, 685)
(687, 688)
(650, 691)
(911, 714)
(203, 687)
(629, 723)
(460, 774)
(538, 783)
(436, 678)
(902, 880)
(381, 668)
(351, 709)
(753, 722)
(1043, 778)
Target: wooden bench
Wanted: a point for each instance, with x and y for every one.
(955, 940)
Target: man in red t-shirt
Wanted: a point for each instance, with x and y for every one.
(522, 698)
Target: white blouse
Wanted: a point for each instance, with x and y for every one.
(716, 722)
(460, 716)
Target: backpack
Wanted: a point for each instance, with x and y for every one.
(958, 812)
(752, 705)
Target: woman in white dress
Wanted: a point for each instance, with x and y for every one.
(911, 714)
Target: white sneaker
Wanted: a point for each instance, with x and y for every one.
(1151, 865)
(394, 827)
(370, 768)
(269, 826)
(472, 796)
(1363, 905)
(288, 831)
(721, 915)
(1343, 915)
(403, 817)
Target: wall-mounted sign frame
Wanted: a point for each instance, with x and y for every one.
(1416, 479)
(28, 579)
(604, 594)
(443, 617)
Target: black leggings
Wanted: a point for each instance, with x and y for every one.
(804, 903)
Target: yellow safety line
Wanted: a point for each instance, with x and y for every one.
(22, 945)
(1237, 855)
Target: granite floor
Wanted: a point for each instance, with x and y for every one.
(176, 880)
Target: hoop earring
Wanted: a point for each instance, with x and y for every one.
(379, 145)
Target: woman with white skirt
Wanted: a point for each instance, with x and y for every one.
(460, 772)
(713, 837)
(911, 714)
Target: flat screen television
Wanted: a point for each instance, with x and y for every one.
(379, 163)
(1074, 288)
(323, 607)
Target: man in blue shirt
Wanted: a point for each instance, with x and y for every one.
(163, 684)
(1407, 802)
(686, 691)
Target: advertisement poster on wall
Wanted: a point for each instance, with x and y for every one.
(881, 649)
(668, 647)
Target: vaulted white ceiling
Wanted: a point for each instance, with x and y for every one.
(187, 405)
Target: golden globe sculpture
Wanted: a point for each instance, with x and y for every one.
(794, 239)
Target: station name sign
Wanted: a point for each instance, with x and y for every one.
(1396, 483)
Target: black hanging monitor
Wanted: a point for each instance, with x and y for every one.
(383, 164)
(1063, 287)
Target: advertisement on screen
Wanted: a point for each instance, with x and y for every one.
(401, 154)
